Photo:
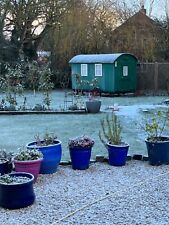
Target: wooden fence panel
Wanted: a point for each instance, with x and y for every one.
(153, 77)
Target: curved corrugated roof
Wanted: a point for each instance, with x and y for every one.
(97, 58)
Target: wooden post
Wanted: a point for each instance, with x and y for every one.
(156, 77)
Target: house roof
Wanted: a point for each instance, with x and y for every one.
(139, 19)
(97, 58)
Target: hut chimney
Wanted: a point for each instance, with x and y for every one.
(143, 10)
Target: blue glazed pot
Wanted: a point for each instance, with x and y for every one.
(80, 158)
(117, 154)
(15, 196)
(158, 152)
(4, 166)
(51, 156)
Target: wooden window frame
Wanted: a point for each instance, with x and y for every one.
(100, 74)
(84, 67)
(125, 71)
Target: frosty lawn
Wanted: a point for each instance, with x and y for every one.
(18, 130)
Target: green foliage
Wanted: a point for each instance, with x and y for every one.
(11, 84)
(6, 155)
(94, 84)
(80, 83)
(38, 107)
(155, 125)
(81, 142)
(8, 179)
(48, 139)
(45, 84)
(28, 154)
(32, 77)
(111, 130)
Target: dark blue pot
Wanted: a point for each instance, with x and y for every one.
(4, 166)
(15, 196)
(51, 156)
(80, 158)
(117, 154)
(158, 152)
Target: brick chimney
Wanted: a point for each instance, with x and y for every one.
(143, 10)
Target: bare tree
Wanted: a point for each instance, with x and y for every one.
(27, 22)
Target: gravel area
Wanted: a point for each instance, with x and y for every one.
(136, 194)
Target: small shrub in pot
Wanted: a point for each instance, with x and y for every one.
(157, 141)
(80, 151)
(111, 136)
(29, 161)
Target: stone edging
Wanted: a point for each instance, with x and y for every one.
(100, 158)
(42, 112)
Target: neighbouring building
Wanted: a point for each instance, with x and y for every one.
(142, 37)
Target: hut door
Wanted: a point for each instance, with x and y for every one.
(123, 73)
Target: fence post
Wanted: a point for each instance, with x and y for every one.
(156, 77)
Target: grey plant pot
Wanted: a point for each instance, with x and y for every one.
(93, 106)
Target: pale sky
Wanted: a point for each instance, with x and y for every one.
(159, 7)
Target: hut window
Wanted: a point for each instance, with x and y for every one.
(125, 71)
(84, 70)
(98, 70)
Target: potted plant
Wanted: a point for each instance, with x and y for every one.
(5, 162)
(29, 161)
(94, 103)
(80, 151)
(51, 149)
(16, 190)
(3, 166)
(110, 136)
(157, 143)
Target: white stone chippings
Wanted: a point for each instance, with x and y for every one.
(128, 202)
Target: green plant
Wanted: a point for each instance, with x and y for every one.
(38, 107)
(80, 84)
(32, 71)
(94, 88)
(48, 139)
(94, 84)
(7, 179)
(46, 85)
(11, 83)
(79, 87)
(24, 155)
(155, 125)
(81, 142)
(6, 155)
(111, 130)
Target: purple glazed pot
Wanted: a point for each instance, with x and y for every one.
(30, 166)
